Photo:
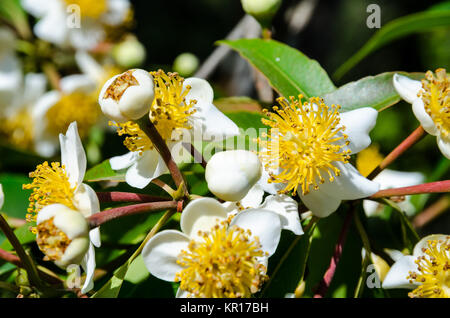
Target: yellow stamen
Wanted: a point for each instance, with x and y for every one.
(90, 9)
(50, 185)
(79, 107)
(169, 112)
(433, 273)
(224, 264)
(436, 99)
(18, 129)
(368, 159)
(51, 241)
(304, 141)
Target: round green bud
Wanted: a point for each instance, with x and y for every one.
(261, 10)
(185, 64)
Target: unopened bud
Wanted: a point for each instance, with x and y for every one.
(129, 53)
(62, 234)
(231, 174)
(185, 64)
(261, 10)
(127, 96)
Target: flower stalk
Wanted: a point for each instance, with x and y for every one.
(116, 196)
(431, 187)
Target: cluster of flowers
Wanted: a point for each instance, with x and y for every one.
(225, 242)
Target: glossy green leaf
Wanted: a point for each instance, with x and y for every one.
(372, 91)
(398, 28)
(16, 199)
(104, 172)
(289, 71)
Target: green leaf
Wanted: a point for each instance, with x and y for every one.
(372, 91)
(11, 11)
(398, 28)
(289, 71)
(112, 288)
(104, 172)
(16, 199)
(24, 235)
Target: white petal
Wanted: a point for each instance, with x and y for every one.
(161, 252)
(88, 265)
(394, 254)
(424, 119)
(264, 224)
(320, 203)
(77, 83)
(124, 161)
(10, 79)
(86, 202)
(423, 243)
(350, 185)
(44, 104)
(270, 187)
(73, 156)
(370, 207)
(253, 198)
(396, 277)
(358, 123)
(145, 169)
(395, 179)
(38, 8)
(89, 66)
(444, 146)
(88, 36)
(35, 85)
(214, 124)
(287, 208)
(406, 87)
(117, 12)
(182, 293)
(52, 27)
(201, 215)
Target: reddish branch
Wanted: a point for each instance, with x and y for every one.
(323, 286)
(432, 212)
(415, 136)
(111, 214)
(128, 197)
(432, 187)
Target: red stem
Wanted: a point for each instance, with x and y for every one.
(11, 258)
(324, 284)
(432, 187)
(111, 214)
(415, 136)
(128, 197)
(432, 212)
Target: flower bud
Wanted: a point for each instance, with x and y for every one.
(127, 96)
(261, 10)
(231, 174)
(129, 53)
(62, 234)
(185, 64)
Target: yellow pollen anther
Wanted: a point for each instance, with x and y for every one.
(90, 9)
(51, 241)
(18, 129)
(433, 273)
(79, 107)
(50, 185)
(223, 264)
(169, 113)
(303, 141)
(436, 99)
(120, 85)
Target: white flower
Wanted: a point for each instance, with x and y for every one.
(56, 109)
(62, 234)
(58, 20)
(182, 109)
(199, 255)
(395, 179)
(127, 96)
(10, 69)
(307, 152)
(231, 174)
(430, 101)
(63, 184)
(426, 271)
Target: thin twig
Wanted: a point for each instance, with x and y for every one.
(431, 213)
(128, 197)
(431, 187)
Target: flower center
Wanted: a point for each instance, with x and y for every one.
(169, 113)
(433, 272)
(120, 85)
(50, 185)
(224, 264)
(368, 159)
(18, 130)
(303, 141)
(90, 9)
(51, 241)
(79, 107)
(436, 98)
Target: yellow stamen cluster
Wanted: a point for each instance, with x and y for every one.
(169, 113)
(433, 272)
(368, 159)
(51, 241)
(223, 264)
(50, 185)
(436, 98)
(303, 141)
(18, 130)
(79, 107)
(90, 9)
